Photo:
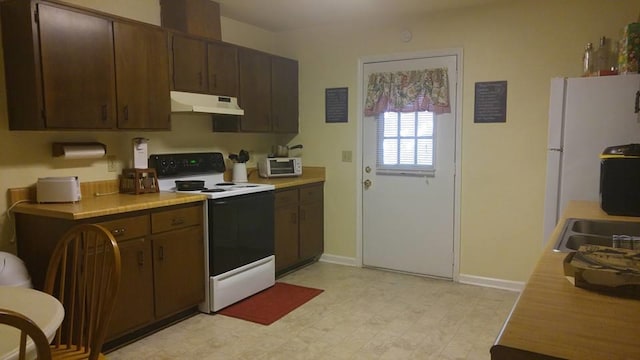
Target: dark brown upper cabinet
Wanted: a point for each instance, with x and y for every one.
(222, 69)
(76, 52)
(189, 64)
(59, 67)
(142, 75)
(284, 95)
(195, 17)
(255, 90)
(62, 62)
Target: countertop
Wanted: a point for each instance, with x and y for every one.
(554, 318)
(94, 206)
(310, 175)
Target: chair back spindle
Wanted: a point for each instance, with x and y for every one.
(84, 275)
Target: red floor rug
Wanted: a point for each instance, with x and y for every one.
(271, 304)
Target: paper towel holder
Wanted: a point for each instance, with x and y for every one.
(59, 149)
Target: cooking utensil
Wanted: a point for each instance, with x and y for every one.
(283, 150)
(241, 157)
(189, 185)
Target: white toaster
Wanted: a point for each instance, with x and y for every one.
(58, 189)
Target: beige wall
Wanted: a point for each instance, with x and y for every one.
(503, 165)
(524, 42)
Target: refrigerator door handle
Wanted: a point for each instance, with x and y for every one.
(637, 108)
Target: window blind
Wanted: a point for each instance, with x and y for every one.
(405, 143)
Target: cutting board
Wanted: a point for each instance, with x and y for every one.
(612, 270)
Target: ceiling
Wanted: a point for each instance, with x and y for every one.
(283, 15)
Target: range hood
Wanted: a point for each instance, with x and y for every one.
(203, 103)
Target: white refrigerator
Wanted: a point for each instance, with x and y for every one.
(586, 115)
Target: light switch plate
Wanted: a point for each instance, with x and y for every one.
(346, 156)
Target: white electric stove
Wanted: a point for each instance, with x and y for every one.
(239, 233)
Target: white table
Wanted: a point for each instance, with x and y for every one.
(45, 310)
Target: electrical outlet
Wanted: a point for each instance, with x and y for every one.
(111, 163)
(346, 155)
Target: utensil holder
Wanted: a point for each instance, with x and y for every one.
(239, 172)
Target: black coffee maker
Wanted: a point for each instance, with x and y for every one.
(620, 180)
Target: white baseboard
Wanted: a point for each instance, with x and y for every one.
(340, 260)
(509, 285)
(491, 282)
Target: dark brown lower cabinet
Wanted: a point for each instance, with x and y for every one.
(162, 257)
(134, 303)
(299, 226)
(178, 269)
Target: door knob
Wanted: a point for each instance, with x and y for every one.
(367, 169)
(367, 184)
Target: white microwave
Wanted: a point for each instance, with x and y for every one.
(280, 167)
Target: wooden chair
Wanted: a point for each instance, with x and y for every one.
(27, 329)
(84, 275)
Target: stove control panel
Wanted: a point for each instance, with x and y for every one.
(187, 163)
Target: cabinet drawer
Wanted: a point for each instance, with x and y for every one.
(311, 194)
(286, 197)
(176, 219)
(128, 228)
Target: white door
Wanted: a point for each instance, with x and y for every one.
(408, 218)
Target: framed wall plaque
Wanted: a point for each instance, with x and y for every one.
(336, 105)
(490, 102)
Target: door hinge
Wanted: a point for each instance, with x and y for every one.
(36, 16)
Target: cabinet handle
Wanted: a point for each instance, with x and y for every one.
(140, 258)
(177, 221)
(637, 109)
(118, 232)
(126, 112)
(161, 253)
(294, 218)
(103, 108)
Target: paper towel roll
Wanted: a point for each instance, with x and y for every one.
(79, 150)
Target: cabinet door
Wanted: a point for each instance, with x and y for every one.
(179, 273)
(189, 64)
(223, 69)
(134, 302)
(78, 77)
(311, 221)
(286, 228)
(142, 73)
(284, 95)
(311, 230)
(255, 90)
(196, 17)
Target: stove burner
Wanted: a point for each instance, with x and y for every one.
(213, 190)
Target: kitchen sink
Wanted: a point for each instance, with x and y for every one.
(578, 232)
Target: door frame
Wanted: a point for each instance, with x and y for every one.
(457, 52)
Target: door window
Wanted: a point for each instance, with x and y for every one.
(406, 143)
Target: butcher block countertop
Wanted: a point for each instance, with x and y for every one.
(95, 206)
(554, 319)
(310, 175)
(115, 203)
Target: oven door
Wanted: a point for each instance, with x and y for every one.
(240, 230)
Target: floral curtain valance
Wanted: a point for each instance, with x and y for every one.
(408, 91)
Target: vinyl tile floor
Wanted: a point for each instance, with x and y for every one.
(362, 314)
